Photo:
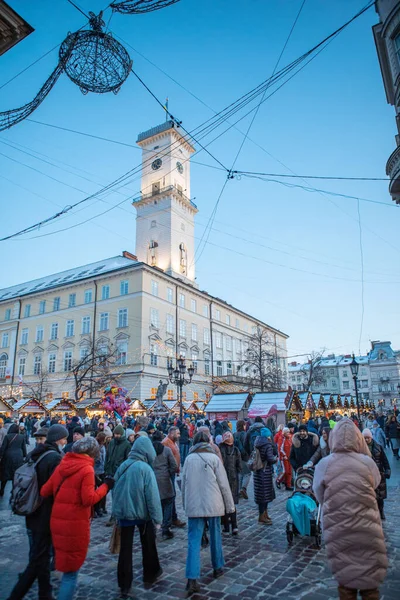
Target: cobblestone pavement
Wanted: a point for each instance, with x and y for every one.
(259, 563)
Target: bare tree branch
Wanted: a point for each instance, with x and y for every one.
(39, 389)
(94, 370)
(313, 371)
(262, 362)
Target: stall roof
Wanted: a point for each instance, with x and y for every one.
(6, 404)
(88, 402)
(263, 402)
(227, 402)
(54, 403)
(149, 404)
(170, 403)
(23, 403)
(136, 404)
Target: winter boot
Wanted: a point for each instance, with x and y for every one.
(192, 587)
(264, 519)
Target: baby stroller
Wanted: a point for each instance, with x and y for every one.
(303, 508)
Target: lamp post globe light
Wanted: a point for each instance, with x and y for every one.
(177, 376)
(354, 371)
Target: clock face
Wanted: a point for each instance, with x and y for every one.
(179, 166)
(156, 164)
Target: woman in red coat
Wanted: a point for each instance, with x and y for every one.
(73, 487)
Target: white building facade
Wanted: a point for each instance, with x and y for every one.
(147, 307)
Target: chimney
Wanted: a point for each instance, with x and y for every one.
(129, 255)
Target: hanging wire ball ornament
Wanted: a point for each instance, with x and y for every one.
(132, 7)
(94, 60)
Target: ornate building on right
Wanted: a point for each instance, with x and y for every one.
(387, 41)
(378, 375)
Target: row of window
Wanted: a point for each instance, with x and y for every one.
(67, 360)
(182, 302)
(87, 298)
(104, 320)
(170, 328)
(171, 394)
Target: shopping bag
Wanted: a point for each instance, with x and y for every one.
(115, 540)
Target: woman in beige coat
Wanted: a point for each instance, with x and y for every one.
(345, 483)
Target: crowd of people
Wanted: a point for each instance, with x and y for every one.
(143, 462)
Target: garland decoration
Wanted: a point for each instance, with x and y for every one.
(92, 59)
(137, 7)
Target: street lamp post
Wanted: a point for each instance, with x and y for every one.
(354, 371)
(177, 376)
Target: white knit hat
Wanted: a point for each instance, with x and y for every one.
(367, 432)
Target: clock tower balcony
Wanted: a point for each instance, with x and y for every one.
(159, 193)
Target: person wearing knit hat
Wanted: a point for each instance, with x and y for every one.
(380, 459)
(231, 459)
(40, 435)
(304, 444)
(38, 523)
(117, 451)
(378, 434)
(57, 434)
(79, 433)
(71, 426)
(264, 491)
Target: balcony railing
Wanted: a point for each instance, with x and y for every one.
(162, 192)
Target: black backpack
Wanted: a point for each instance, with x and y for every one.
(25, 496)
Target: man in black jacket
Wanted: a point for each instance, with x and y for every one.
(78, 434)
(304, 444)
(38, 523)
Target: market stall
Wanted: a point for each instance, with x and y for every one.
(29, 406)
(89, 407)
(271, 406)
(6, 408)
(136, 408)
(295, 405)
(61, 406)
(228, 407)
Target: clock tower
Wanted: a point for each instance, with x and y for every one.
(165, 213)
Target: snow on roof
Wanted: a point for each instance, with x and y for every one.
(88, 402)
(267, 399)
(65, 277)
(227, 402)
(53, 403)
(341, 361)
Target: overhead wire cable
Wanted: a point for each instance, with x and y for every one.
(320, 191)
(179, 123)
(78, 8)
(66, 209)
(206, 233)
(30, 65)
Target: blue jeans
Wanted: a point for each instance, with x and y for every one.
(183, 451)
(195, 532)
(167, 507)
(68, 586)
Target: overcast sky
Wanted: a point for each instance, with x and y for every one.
(288, 256)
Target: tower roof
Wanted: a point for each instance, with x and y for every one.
(163, 128)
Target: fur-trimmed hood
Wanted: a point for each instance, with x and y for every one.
(296, 440)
